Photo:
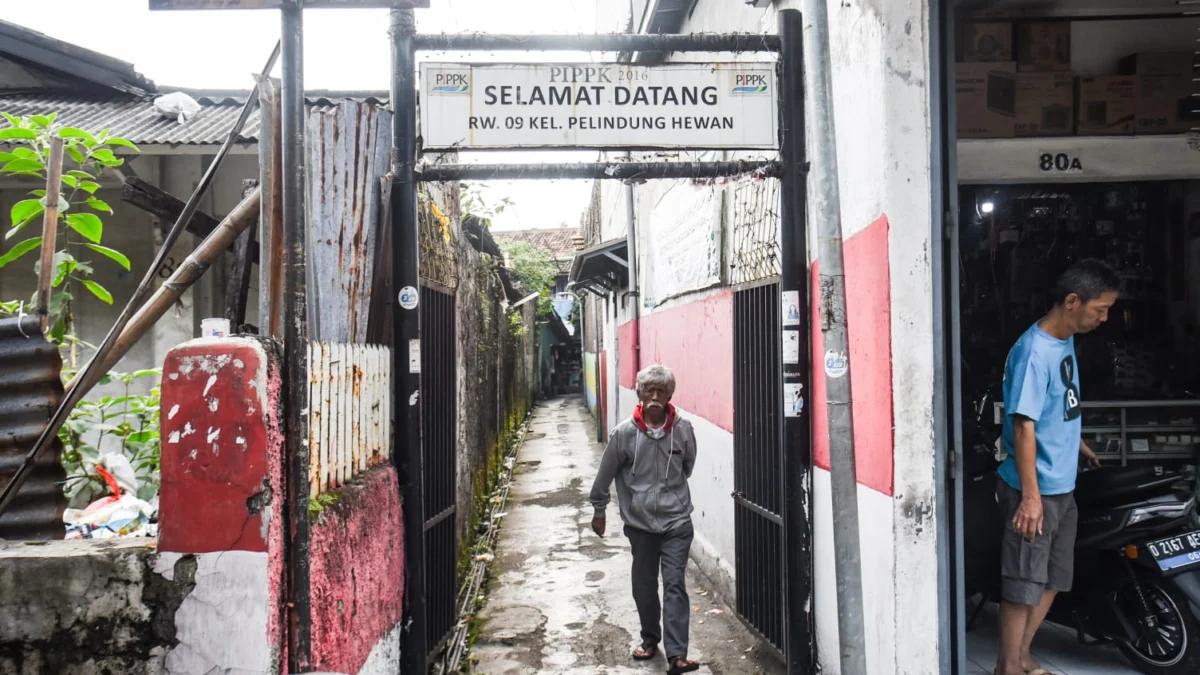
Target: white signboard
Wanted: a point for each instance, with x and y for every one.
(695, 105)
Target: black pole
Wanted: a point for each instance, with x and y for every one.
(797, 447)
(406, 318)
(620, 42)
(295, 328)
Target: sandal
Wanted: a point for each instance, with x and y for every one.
(681, 664)
(645, 651)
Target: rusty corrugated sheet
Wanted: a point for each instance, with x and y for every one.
(30, 388)
(349, 419)
(348, 151)
(136, 119)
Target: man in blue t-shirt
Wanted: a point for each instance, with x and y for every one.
(1042, 435)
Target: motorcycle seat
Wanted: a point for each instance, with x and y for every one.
(1118, 483)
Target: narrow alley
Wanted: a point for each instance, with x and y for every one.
(559, 600)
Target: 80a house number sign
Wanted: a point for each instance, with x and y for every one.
(1059, 162)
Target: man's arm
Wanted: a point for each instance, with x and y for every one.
(1027, 521)
(689, 453)
(609, 464)
(1087, 455)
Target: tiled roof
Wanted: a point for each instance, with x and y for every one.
(136, 119)
(558, 240)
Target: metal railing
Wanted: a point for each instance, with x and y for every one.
(350, 425)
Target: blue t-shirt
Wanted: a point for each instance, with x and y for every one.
(1041, 382)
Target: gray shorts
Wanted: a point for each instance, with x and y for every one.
(1047, 563)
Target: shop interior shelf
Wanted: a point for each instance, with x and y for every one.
(1165, 408)
(1077, 159)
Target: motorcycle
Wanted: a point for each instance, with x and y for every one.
(1137, 556)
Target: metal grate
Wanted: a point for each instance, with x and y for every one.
(757, 462)
(436, 233)
(755, 217)
(349, 423)
(439, 419)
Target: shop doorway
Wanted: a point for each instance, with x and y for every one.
(1066, 133)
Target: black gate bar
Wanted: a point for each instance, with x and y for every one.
(618, 42)
(601, 170)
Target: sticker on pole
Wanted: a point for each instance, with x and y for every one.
(836, 364)
(414, 356)
(793, 399)
(791, 347)
(791, 308)
(409, 297)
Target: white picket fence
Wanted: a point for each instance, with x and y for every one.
(349, 419)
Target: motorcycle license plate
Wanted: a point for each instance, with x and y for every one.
(1175, 552)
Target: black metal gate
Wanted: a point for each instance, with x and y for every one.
(439, 416)
(758, 462)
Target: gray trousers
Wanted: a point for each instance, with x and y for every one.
(668, 551)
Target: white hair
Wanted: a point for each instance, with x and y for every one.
(656, 375)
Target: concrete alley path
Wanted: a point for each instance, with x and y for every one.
(559, 600)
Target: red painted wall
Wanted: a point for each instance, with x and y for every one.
(696, 342)
(356, 563)
(215, 441)
(869, 323)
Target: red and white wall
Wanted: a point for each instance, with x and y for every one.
(880, 60)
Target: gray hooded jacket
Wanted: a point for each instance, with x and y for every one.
(652, 476)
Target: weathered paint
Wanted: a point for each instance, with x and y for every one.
(868, 318)
(222, 625)
(234, 620)
(356, 562)
(349, 426)
(695, 340)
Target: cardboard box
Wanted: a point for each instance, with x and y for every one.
(1044, 47)
(984, 42)
(1106, 105)
(1164, 105)
(1157, 64)
(986, 99)
(1045, 104)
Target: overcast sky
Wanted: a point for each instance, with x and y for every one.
(343, 49)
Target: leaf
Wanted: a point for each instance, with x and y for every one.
(19, 250)
(79, 174)
(98, 291)
(22, 165)
(17, 132)
(148, 372)
(26, 210)
(15, 121)
(7, 157)
(71, 181)
(20, 152)
(87, 224)
(124, 143)
(40, 120)
(75, 154)
(89, 186)
(111, 253)
(104, 155)
(99, 205)
(38, 193)
(52, 116)
(71, 132)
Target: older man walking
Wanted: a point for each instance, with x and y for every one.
(651, 456)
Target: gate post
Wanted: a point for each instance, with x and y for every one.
(796, 446)
(406, 347)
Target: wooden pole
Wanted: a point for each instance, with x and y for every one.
(49, 231)
(196, 264)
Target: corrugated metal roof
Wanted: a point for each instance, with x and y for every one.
(137, 120)
(30, 388)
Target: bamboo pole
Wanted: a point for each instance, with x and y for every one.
(49, 230)
(197, 263)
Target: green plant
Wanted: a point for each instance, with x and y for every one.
(474, 204)
(130, 420)
(534, 269)
(85, 156)
(318, 504)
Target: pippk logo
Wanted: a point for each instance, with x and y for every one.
(749, 83)
(451, 82)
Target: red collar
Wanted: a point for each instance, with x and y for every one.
(641, 421)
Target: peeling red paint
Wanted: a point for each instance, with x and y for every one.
(696, 342)
(215, 458)
(356, 563)
(869, 327)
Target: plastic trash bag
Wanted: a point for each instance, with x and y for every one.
(118, 515)
(178, 105)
